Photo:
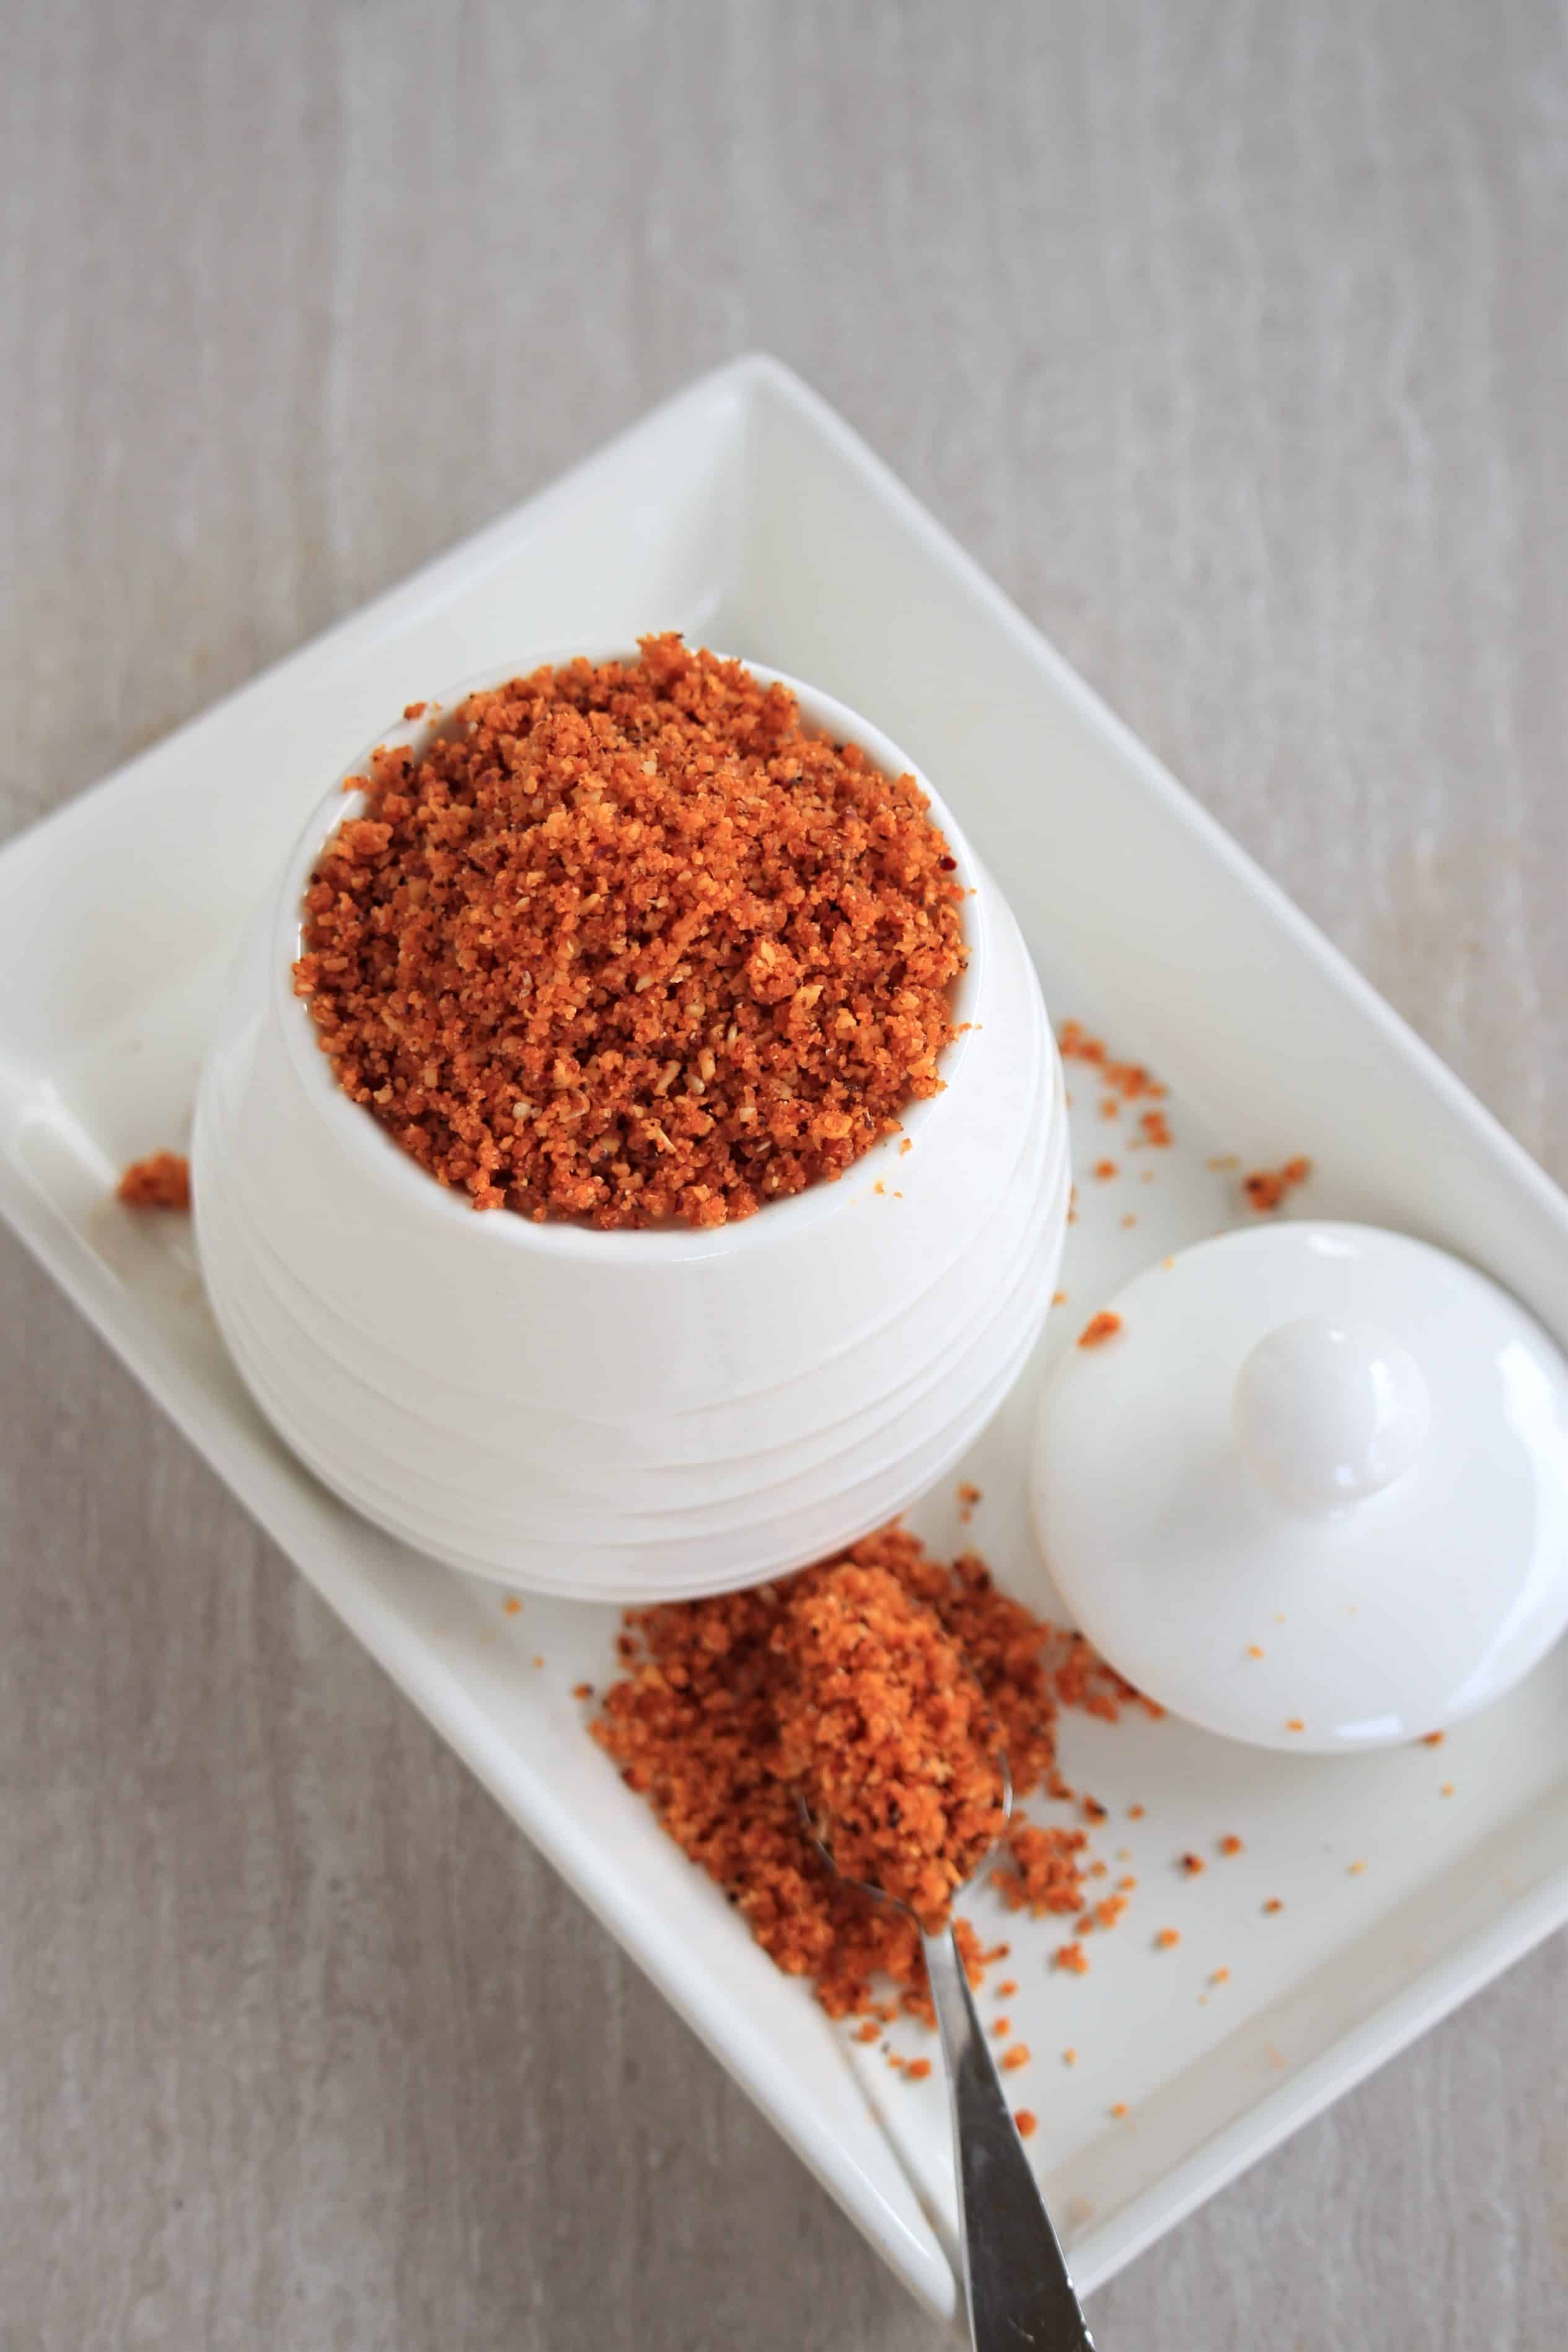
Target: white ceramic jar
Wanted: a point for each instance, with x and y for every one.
(629, 1414)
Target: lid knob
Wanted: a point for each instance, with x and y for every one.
(1327, 1413)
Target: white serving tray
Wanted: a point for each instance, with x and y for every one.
(746, 514)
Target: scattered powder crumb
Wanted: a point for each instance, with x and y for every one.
(1001, 2027)
(1222, 1162)
(1157, 1129)
(628, 944)
(161, 1180)
(1129, 1219)
(512, 1605)
(1130, 1079)
(1255, 1649)
(1119, 2109)
(1294, 1723)
(1146, 1175)
(1098, 1869)
(1006, 1988)
(582, 1690)
(1231, 1844)
(1110, 1107)
(1059, 1298)
(1094, 1810)
(1266, 1188)
(917, 2070)
(1016, 2057)
(907, 1145)
(1432, 1739)
(1135, 1812)
(1273, 1905)
(1275, 2057)
(1105, 1170)
(1072, 1958)
(413, 709)
(1125, 1885)
(1355, 1869)
(1099, 1328)
(1192, 1864)
(897, 2063)
(879, 1186)
(1070, 2057)
(1028, 2123)
(869, 2030)
(1167, 1939)
(1447, 1790)
(1219, 1976)
(538, 1662)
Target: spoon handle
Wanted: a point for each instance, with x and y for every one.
(1015, 2278)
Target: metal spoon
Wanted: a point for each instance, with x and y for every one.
(1016, 2288)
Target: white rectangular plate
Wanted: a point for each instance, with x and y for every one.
(746, 514)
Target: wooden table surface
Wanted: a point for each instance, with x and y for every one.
(1231, 338)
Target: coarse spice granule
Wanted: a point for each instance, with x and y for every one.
(1129, 1079)
(696, 1725)
(1266, 1188)
(628, 945)
(161, 1180)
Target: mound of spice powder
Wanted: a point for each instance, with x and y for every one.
(628, 945)
(708, 1719)
(883, 1728)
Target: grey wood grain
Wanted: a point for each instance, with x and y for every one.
(1232, 339)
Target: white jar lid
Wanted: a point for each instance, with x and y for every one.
(1314, 1492)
